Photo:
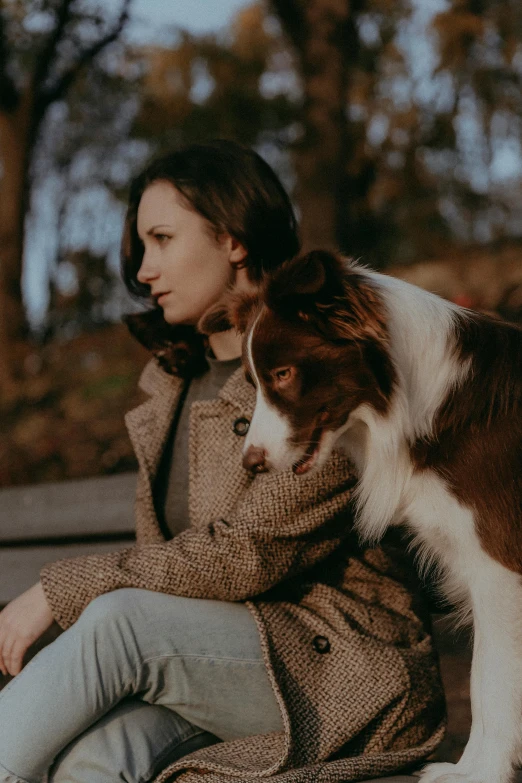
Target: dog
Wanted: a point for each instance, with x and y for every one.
(426, 398)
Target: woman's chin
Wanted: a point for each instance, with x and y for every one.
(177, 318)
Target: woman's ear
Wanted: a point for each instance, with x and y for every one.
(238, 254)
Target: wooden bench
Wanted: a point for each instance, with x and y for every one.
(46, 522)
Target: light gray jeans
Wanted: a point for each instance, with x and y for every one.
(140, 680)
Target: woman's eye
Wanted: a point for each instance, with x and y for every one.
(161, 238)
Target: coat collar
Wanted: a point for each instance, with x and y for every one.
(155, 382)
(176, 349)
(239, 393)
(149, 424)
(179, 350)
(178, 353)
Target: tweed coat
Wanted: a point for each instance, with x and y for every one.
(349, 658)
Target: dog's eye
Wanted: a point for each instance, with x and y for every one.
(284, 375)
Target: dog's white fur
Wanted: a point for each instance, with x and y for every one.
(422, 337)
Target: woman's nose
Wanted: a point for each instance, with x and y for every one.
(148, 270)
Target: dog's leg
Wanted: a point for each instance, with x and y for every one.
(496, 682)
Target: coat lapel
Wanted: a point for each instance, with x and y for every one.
(216, 476)
(239, 393)
(148, 424)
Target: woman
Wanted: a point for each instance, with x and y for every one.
(245, 627)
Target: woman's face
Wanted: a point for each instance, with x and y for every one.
(186, 267)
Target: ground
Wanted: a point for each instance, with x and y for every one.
(455, 661)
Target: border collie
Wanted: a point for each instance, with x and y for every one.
(426, 399)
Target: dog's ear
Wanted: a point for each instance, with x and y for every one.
(359, 316)
(331, 294)
(215, 319)
(315, 278)
(243, 308)
(233, 311)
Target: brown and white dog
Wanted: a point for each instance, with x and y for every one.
(426, 398)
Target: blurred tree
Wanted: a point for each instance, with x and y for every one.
(43, 48)
(358, 179)
(412, 123)
(204, 87)
(480, 55)
(86, 159)
(87, 288)
(444, 127)
(325, 38)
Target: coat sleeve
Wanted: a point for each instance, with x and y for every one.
(280, 526)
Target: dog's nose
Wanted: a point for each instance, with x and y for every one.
(254, 459)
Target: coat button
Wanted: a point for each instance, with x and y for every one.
(321, 644)
(241, 426)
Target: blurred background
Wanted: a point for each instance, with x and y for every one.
(396, 125)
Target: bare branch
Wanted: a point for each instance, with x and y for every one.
(9, 95)
(60, 88)
(44, 62)
(292, 16)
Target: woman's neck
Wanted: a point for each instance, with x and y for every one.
(226, 345)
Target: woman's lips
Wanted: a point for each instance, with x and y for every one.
(161, 298)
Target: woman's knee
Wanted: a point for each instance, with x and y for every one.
(110, 609)
(115, 627)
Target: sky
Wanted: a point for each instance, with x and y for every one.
(150, 17)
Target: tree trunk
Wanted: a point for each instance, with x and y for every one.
(319, 155)
(333, 175)
(21, 116)
(15, 141)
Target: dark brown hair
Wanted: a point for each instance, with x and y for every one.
(239, 194)
(233, 188)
